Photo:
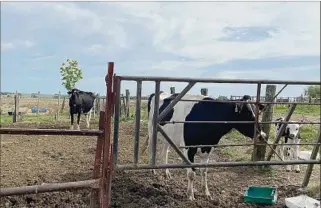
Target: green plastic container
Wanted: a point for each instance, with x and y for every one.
(261, 195)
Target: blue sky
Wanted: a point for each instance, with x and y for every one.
(250, 40)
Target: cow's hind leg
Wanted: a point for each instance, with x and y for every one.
(88, 117)
(190, 153)
(205, 154)
(164, 157)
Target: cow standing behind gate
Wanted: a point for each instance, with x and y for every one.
(188, 134)
(80, 102)
(291, 135)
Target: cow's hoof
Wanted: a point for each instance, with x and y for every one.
(297, 171)
(168, 175)
(288, 170)
(209, 197)
(191, 198)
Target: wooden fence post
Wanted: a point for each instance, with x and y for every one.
(16, 108)
(127, 103)
(204, 91)
(172, 90)
(313, 156)
(97, 103)
(266, 117)
(58, 114)
(38, 103)
(63, 105)
(94, 108)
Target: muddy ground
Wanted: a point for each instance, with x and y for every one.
(31, 160)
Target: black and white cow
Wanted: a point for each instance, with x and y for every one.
(291, 135)
(187, 134)
(80, 102)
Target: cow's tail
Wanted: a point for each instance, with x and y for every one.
(149, 101)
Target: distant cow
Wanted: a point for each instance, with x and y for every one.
(291, 135)
(188, 134)
(80, 102)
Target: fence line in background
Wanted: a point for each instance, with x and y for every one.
(59, 109)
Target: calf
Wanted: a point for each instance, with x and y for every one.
(291, 135)
(80, 102)
(189, 134)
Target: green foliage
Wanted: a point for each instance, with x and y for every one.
(70, 73)
(312, 91)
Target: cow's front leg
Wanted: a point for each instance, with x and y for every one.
(164, 157)
(296, 156)
(78, 121)
(71, 121)
(288, 156)
(204, 160)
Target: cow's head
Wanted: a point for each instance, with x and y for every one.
(291, 131)
(74, 98)
(246, 112)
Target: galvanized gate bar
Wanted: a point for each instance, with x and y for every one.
(217, 164)
(175, 101)
(242, 122)
(313, 156)
(245, 144)
(251, 102)
(49, 187)
(154, 123)
(137, 120)
(208, 80)
(282, 129)
(168, 139)
(116, 120)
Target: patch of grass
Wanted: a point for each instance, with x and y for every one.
(311, 110)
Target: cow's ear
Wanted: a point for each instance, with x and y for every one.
(261, 106)
(69, 92)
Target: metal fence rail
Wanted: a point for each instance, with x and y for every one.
(156, 117)
(101, 183)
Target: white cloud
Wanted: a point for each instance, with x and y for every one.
(190, 29)
(94, 49)
(200, 26)
(5, 46)
(289, 73)
(16, 44)
(41, 58)
(80, 21)
(26, 43)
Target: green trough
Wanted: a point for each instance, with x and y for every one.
(260, 195)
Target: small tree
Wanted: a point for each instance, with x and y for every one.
(312, 91)
(70, 73)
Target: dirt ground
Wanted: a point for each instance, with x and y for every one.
(31, 160)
